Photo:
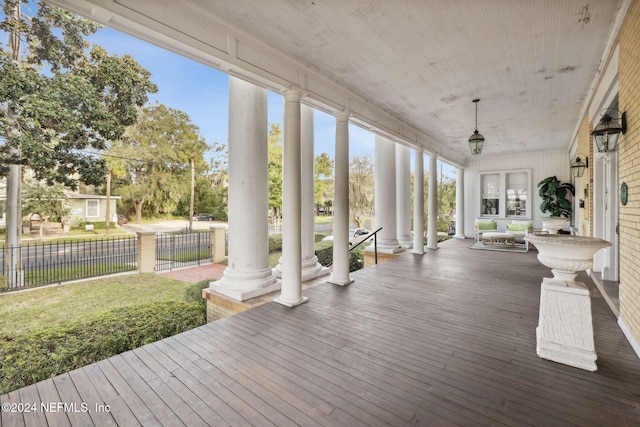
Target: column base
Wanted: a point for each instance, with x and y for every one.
(460, 236)
(281, 300)
(565, 327)
(335, 281)
(419, 250)
(244, 285)
(311, 269)
(406, 244)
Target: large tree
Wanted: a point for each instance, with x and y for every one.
(60, 98)
(275, 171)
(47, 202)
(361, 189)
(155, 158)
(323, 181)
(212, 188)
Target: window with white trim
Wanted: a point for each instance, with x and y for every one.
(93, 208)
(505, 194)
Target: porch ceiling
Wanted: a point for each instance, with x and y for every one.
(531, 62)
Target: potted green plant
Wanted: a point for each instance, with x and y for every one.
(554, 200)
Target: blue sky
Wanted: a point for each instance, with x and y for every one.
(202, 93)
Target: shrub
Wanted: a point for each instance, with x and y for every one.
(54, 350)
(356, 260)
(324, 252)
(83, 224)
(193, 294)
(275, 243)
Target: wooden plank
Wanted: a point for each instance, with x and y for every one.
(51, 399)
(205, 415)
(206, 377)
(76, 409)
(13, 414)
(102, 392)
(131, 396)
(99, 410)
(30, 396)
(168, 407)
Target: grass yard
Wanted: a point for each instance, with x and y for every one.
(30, 310)
(49, 331)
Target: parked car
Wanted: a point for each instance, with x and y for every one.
(356, 235)
(122, 219)
(203, 217)
(451, 229)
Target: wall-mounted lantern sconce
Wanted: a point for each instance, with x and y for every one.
(476, 140)
(578, 166)
(608, 130)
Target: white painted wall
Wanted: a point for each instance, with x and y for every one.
(541, 164)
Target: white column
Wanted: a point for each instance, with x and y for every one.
(403, 196)
(385, 196)
(291, 294)
(460, 203)
(248, 273)
(340, 273)
(311, 268)
(418, 203)
(432, 225)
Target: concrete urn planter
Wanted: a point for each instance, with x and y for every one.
(553, 224)
(565, 326)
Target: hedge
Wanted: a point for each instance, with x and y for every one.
(324, 252)
(53, 350)
(97, 225)
(275, 243)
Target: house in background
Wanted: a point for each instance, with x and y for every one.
(90, 208)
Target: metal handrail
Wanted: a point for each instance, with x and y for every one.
(375, 245)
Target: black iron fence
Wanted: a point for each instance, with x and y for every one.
(54, 262)
(182, 249)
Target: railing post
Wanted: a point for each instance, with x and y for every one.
(146, 251)
(218, 243)
(375, 247)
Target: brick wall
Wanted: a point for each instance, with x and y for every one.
(584, 185)
(219, 306)
(629, 163)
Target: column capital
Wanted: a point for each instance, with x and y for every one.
(292, 95)
(342, 116)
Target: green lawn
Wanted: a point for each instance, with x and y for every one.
(31, 310)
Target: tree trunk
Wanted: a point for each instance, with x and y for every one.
(193, 184)
(107, 221)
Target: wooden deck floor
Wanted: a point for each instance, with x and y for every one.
(442, 339)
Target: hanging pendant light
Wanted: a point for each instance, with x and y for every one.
(476, 140)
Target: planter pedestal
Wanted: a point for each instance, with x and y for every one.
(565, 325)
